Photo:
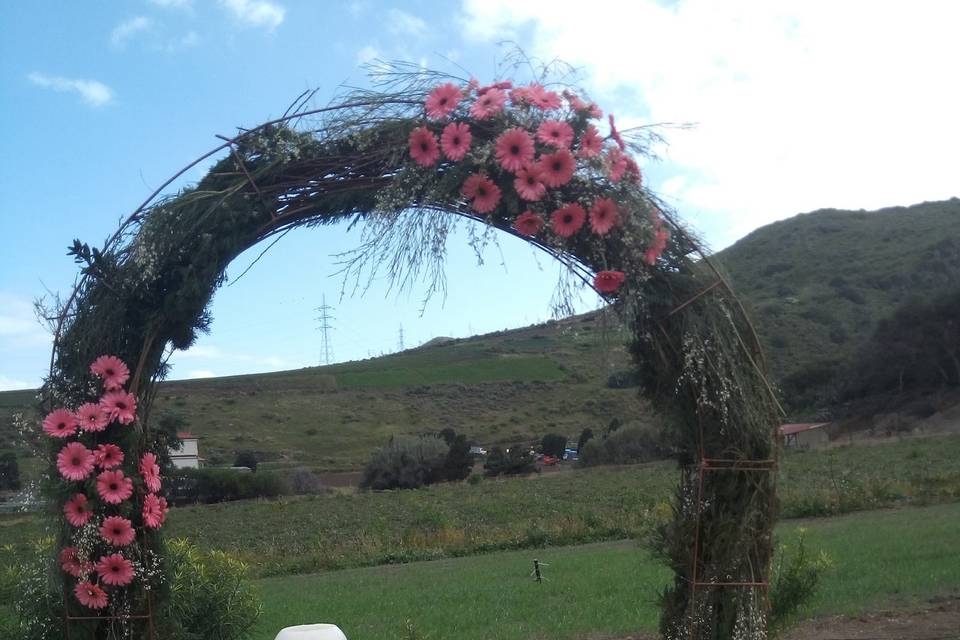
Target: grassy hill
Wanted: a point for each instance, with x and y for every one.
(502, 388)
(818, 283)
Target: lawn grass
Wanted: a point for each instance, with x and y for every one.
(880, 558)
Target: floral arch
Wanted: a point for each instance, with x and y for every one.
(404, 159)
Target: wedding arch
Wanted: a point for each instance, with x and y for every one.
(407, 159)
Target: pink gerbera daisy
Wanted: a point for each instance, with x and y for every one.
(567, 220)
(502, 85)
(574, 101)
(442, 100)
(60, 424)
(150, 471)
(90, 595)
(616, 134)
(555, 133)
(75, 462)
(633, 170)
(76, 510)
(423, 147)
(528, 183)
(92, 417)
(114, 487)
(117, 531)
(455, 140)
(557, 168)
(120, 406)
(112, 370)
(542, 98)
(488, 104)
(608, 281)
(108, 456)
(514, 149)
(72, 564)
(603, 216)
(616, 164)
(520, 96)
(590, 143)
(154, 510)
(469, 188)
(595, 110)
(528, 223)
(487, 198)
(659, 244)
(115, 570)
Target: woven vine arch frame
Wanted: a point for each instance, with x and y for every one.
(145, 294)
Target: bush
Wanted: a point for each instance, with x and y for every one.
(630, 444)
(222, 485)
(303, 481)
(796, 576)
(554, 445)
(407, 462)
(9, 471)
(210, 597)
(246, 459)
(514, 461)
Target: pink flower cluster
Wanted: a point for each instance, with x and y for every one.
(90, 458)
(546, 153)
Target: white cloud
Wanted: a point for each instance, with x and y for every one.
(200, 373)
(799, 105)
(18, 323)
(127, 30)
(11, 384)
(367, 54)
(256, 13)
(402, 23)
(94, 93)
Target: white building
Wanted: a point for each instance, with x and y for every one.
(188, 455)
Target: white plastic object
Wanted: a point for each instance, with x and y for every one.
(311, 632)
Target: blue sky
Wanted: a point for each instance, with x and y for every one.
(798, 106)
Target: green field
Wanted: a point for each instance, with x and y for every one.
(328, 532)
(880, 559)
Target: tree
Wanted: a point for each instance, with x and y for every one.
(448, 435)
(585, 435)
(407, 462)
(553, 444)
(513, 461)
(459, 461)
(9, 471)
(246, 458)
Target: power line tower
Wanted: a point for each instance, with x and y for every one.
(400, 342)
(324, 319)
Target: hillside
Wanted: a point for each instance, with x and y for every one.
(506, 387)
(819, 283)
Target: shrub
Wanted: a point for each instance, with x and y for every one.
(210, 596)
(585, 436)
(303, 481)
(553, 444)
(796, 576)
(222, 485)
(407, 462)
(627, 445)
(247, 459)
(514, 461)
(9, 471)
